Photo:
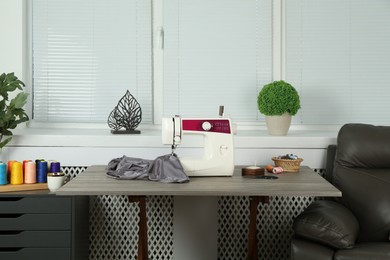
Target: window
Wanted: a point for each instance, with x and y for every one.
(213, 53)
(338, 58)
(216, 53)
(86, 54)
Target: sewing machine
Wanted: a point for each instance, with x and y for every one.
(218, 157)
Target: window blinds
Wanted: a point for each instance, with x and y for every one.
(339, 60)
(86, 54)
(216, 53)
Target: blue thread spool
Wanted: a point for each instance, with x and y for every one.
(41, 171)
(3, 174)
(55, 167)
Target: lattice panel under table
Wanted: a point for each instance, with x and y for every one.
(274, 222)
(114, 226)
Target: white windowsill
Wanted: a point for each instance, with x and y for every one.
(299, 137)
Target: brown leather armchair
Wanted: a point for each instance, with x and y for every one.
(357, 225)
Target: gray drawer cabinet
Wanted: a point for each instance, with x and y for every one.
(43, 226)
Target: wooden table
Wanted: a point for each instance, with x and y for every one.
(94, 181)
(306, 182)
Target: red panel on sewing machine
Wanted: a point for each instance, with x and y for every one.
(201, 125)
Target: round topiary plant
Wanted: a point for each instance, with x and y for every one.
(277, 98)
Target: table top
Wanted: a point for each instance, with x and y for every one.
(93, 181)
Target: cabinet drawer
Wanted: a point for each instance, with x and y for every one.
(57, 239)
(35, 253)
(20, 222)
(35, 205)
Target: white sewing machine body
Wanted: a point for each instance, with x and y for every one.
(218, 156)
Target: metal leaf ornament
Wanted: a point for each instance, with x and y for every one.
(127, 114)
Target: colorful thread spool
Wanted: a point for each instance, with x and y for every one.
(16, 173)
(41, 171)
(277, 170)
(55, 167)
(9, 167)
(24, 164)
(3, 174)
(30, 172)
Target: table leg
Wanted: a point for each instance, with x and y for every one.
(143, 228)
(252, 236)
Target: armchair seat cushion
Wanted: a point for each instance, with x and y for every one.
(364, 251)
(329, 223)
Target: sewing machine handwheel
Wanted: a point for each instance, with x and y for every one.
(206, 126)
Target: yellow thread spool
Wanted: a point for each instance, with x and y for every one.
(17, 173)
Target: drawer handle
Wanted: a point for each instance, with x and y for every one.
(10, 232)
(10, 198)
(10, 215)
(10, 249)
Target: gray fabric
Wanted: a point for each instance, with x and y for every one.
(166, 168)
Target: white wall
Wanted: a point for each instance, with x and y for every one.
(12, 37)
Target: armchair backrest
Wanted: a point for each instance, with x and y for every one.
(362, 172)
(363, 146)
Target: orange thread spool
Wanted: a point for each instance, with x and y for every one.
(9, 167)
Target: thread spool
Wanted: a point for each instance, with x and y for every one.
(274, 169)
(277, 170)
(24, 164)
(252, 170)
(10, 162)
(55, 167)
(3, 174)
(9, 167)
(16, 173)
(41, 171)
(30, 172)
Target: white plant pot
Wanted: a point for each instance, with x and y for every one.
(278, 125)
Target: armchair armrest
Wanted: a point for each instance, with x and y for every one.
(327, 222)
(330, 156)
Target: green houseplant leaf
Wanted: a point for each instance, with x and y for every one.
(11, 111)
(277, 98)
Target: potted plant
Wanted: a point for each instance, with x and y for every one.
(278, 101)
(11, 110)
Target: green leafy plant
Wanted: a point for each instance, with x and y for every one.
(277, 98)
(11, 111)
